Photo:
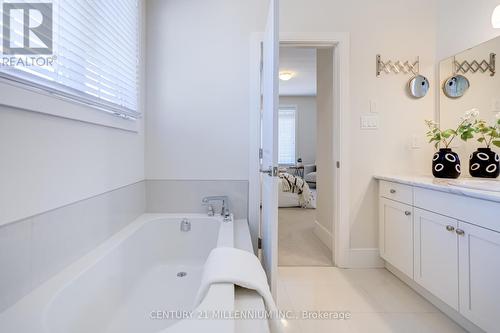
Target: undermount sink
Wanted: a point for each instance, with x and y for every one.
(477, 184)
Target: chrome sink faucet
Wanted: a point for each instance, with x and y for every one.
(225, 206)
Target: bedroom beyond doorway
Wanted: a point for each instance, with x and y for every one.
(305, 156)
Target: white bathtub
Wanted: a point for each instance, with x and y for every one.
(130, 283)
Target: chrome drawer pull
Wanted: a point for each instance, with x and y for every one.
(450, 228)
(460, 232)
(407, 213)
(392, 191)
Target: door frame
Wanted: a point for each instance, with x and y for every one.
(341, 128)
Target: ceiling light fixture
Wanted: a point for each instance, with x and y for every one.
(495, 17)
(285, 76)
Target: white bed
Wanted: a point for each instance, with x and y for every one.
(288, 199)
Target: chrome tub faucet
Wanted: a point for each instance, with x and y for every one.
(225, 212)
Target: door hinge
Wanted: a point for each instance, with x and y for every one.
(338, 164)
(261, 65)
(259, 243)
(261, 153)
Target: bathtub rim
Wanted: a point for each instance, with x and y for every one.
(34, 307)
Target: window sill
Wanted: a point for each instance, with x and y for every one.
(18, 97)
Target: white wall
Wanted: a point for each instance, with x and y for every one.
(198, 87)
(463, 25)
(48, 162)
(398, 30)
(306, 125)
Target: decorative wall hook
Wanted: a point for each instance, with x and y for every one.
(418, 86)
(476, 66)
(397, 66)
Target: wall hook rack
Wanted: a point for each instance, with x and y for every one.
(397, 66)
(475, 66)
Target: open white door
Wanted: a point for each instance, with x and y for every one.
(270, 100)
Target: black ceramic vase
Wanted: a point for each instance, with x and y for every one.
(484, 163)
(446, 164)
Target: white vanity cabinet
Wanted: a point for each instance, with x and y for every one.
(436, 255)
(396, 234)
(447, 243)
(479, 263)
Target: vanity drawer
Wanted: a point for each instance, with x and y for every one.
(482, 213)
(396, 192)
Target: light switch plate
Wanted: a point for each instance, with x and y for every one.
(369, 122)
(416, 143)
(373, 106)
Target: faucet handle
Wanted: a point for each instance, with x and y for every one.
(224, 203)
(211, 210)
(228, 217)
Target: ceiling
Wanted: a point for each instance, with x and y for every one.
(302, 62)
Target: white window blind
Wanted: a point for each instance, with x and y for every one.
(96, 45)
(286, 136)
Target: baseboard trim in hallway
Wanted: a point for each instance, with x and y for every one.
(323, 234)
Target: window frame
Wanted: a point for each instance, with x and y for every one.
(34, 97)
(293, 108)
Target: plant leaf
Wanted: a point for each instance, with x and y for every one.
(446, 134)
(496, 143)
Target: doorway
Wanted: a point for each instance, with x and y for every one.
(305, 156)
(263, 214)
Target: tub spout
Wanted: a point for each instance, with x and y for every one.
(185, 225)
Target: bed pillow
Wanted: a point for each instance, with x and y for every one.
(310, 177)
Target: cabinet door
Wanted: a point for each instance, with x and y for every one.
(436, 255)
(479, 250)
(396, 235)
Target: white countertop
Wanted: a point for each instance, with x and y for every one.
(442, 185)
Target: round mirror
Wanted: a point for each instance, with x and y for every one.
(456, 86)
(418, 86)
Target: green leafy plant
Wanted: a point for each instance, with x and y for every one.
(445, 137)
(490, 134)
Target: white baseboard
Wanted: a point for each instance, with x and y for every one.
(323, 234)
(365, 258)
(358, 258)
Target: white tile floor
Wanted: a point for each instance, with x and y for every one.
(377, 301)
